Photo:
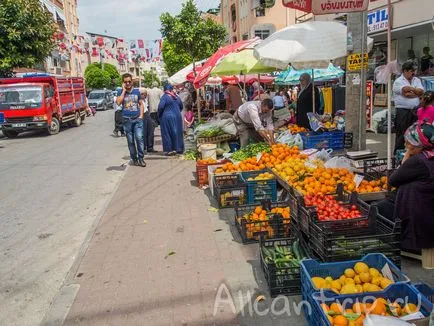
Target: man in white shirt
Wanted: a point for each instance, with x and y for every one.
(154, 96)
(406, 92)
(254, 120)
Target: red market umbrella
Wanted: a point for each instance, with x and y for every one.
(202, 77)
(213, 80)
(250, 79)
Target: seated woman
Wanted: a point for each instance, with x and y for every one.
(414, 204)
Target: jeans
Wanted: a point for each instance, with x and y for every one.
(119, 121)
(134, 131)
(148, 131)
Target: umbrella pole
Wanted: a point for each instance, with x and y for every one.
(213, 99)
(313, 92)
(389, 94)
(259, 91)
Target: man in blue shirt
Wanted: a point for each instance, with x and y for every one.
(133, 110)
(278, 101)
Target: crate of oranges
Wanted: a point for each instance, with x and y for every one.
(261, 185)
(399, 301)
(266, 221)
(202, 170)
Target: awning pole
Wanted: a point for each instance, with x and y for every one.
(389, 89)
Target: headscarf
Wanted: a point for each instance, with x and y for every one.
(168, 89)
(308, 78)
(421, 134)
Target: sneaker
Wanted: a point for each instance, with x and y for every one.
(115, 133)
(152, 150)
(134, 162)
(172, 153)
(141, 163)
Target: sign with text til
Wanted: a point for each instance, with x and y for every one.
(378, 20)
(354, 62)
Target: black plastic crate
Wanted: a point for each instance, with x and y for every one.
(275, 225)
(284, 279)
(348, 140)
(382, 236)
(226, 180)
(231, 196)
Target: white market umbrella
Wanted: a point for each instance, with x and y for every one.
(306, 45)
(181, 76)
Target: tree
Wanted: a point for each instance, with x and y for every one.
(173, 59)
(150, 77)
(26, 34)
(189, 34)
(115, 77)
(96, 77)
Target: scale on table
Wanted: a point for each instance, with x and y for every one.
(357, 158)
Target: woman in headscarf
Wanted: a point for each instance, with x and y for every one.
(169, 113)
(305, 101)
(414, 203)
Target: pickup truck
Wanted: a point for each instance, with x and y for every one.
(41, 102)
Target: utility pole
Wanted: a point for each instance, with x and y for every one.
(355, 92)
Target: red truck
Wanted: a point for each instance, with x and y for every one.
(41, 102)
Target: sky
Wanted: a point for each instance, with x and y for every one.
(129, 19)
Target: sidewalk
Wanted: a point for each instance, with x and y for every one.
(159, 257)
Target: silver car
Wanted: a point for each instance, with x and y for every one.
(101, 99)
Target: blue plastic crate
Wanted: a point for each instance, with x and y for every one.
(426, 291)
(324, 140)
(2, 118)
(402, 292)
(311, 268)
(257, 191)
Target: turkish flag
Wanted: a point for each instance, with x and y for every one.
(141, 44)
(94, 52)
(100, 41)
(303, 5)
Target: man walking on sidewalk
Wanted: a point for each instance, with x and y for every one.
(148, 124)
(406, 90)
(154, 96)
(132, 113)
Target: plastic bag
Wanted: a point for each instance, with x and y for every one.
(338, 162)
(323, 155)
(291, 140)
(375, 320)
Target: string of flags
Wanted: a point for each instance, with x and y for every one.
(110, 47)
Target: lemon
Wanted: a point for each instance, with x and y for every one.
(349, 289)
(361, 268)
(374, 272)
(350, 273)
(359, 288)
(366, 287)
(365, 277)
(373, 288)
(349, 281)
(318, 282)
(357, 279)
(342, 279)
(376, 280)
(336, 285)
(385, 282)
(410, 308)
(328, 279)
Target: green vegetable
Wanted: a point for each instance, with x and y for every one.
(190, 155)
(211, 132)
(250, 151)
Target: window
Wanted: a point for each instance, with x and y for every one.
(262, 34)
(260, 12)
(245, 37)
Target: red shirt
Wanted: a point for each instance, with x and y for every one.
(426, 114)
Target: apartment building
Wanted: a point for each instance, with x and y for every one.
(245, 19)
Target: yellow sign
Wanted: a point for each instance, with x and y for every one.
(354, 62)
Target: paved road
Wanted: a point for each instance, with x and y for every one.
(52, 191)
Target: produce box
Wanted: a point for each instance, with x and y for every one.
(265, 221)
(425, 290)
(211, 174)
(215, 139)
(323, 140)
(202, 170)
(382, 236)
(231, 194)
(261, 185)
(280, 261)
(338, 214)
(399, 300)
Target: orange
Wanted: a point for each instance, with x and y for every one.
(330, 318)
(395, 309)
(358, 308)
(378, 308)
(360, 320)
(340, 320)
(325, 308)
(337, 308)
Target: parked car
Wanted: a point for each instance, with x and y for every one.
(101, 99)
(40, 101)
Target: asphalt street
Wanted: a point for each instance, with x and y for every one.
(53, 189)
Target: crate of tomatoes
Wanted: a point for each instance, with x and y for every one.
(265, 221)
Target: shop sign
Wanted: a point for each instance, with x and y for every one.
(354, 62)
(303, 5)
(323, 7)
(378, 20)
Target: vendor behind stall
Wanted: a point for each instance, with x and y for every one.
(414, 203)
(254, 120)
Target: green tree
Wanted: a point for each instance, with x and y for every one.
(174, 60)
(189, 34)
(115, 77)
(150, 76)
(26, 34)
(97, 78)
